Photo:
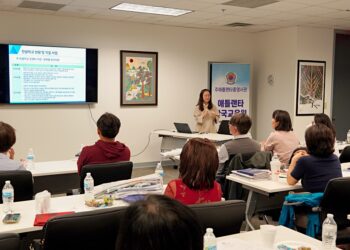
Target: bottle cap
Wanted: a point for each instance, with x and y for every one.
(88, 174)
(209, 230)
(7, 182)
(330, 215)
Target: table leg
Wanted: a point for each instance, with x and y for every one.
(248, 215)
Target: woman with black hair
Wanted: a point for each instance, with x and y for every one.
(159, 223)
(318, 164)
(206, 113)
(283, 140)
(325, 120)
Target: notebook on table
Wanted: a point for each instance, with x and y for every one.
(253, 173)
(183, 128)
(41, 219)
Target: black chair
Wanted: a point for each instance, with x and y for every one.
(90, 230)
(22, 182)
(259, 160)
(224, 127)
(9, 241)
(106, 172)
(224, 217)
(345, 155)
(334, 201)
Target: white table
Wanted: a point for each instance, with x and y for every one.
(172, 140)
(264, 187)
(55, 176)
(253, 239)
(268, 188)
(58, 204)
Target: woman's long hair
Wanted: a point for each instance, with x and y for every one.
(200, 102)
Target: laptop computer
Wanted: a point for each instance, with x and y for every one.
(224, 127)
(183, 128)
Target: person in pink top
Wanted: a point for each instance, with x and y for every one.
(283, 140)
(199, 162)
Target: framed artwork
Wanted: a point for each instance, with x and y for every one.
(310, 87)
(139, 78)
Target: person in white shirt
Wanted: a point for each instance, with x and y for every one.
(206, 113)
(7, 153)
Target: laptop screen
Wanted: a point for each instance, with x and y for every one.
(182, 127)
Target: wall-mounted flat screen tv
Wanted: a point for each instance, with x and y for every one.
(47, 75)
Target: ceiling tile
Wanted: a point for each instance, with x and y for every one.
(284, 6)
(310, 2)
(339, 5)
(210, 14)
(314, 10)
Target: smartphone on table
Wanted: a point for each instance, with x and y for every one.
(11, 218)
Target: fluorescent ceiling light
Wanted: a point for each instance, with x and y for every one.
(150, 9)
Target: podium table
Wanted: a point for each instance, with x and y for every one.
(172, 140)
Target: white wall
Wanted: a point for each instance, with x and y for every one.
(277, 52)
(56, 131)
(316, 44)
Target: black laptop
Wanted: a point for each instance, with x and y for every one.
(224, 127)
(183, 128)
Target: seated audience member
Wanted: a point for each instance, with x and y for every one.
(318, 165)
(106, 149)
(198, 165)
(283, 140)
(296, 151)
(159, 223)
(239, 126)
(7, 153)
(324, 119)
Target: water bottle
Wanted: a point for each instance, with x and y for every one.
(8, 196)
(209, 240)
(275, 166)
(348, 137)
(329, 233)
(30, 159)
(159, 171)
(88, 188)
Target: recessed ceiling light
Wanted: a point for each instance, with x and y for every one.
(150, 9)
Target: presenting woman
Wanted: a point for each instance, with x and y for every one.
(206, 113)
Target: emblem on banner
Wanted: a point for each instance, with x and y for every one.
(231, 78)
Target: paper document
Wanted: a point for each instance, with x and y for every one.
(141, 185)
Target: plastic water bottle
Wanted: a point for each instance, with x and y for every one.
(159, 171)
(8, 196)
(30, 159)
(275, 166)
(209, 240)
(348, 137)
(329, 233)
(88, 187)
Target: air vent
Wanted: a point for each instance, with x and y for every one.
(41, 5)
(250, 3)
(238, 24)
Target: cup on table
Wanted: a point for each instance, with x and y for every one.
(42, 202)
(268, 234)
